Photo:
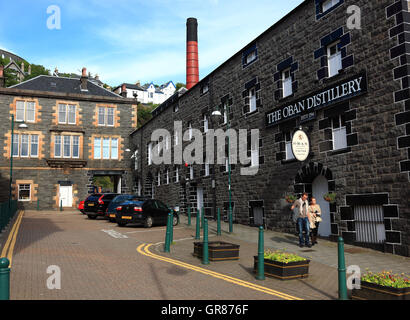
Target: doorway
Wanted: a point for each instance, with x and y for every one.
(319, 189)
(66, 196)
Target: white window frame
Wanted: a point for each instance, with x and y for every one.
(225, 113)
(21, 145)
(150, 153)
(108, 124)
(339, 134)
(19, 189)
(176, 174)
(55, 146)
(252, 100)
(72, 147)
(191, 172)
(334, 61)
(250, 57)
(167, 176)
(288, 146)
(206, 123)
(112, 155)
(31, 145)
(24, 110)
(329, 4)
(108, 156)
(16, 137)
(287, 83)
(207, 169)
(69, 146)
(159, 178)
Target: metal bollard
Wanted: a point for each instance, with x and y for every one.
(202, 217)
(4, 279)
(205, 253)
(341, 269)
(167, 234)
(171, 237)
(218, 222)
(261, 257)
(198, 232)
(189, 216)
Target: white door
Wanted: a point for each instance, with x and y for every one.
(66, 196)
(319, 189)
(200, 198)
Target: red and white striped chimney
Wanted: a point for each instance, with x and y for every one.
(192, 66)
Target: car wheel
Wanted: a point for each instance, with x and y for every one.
(175, 220)
(121, 224)
(148, 222)
(91, 217)
(111, 220)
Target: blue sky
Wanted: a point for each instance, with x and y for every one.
(130, 40)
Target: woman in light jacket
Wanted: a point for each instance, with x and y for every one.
(315, 218)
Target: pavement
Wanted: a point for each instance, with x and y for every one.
(100, 260)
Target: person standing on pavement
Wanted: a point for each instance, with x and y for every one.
(303, 219)
(315, 215)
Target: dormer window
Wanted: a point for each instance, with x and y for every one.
(204, 88)
(329, 4)
(249, 55)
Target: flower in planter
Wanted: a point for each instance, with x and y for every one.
(282, 256)
(387, 279)
(330, 197)
(290, 198)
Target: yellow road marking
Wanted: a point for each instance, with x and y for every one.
(214, 274)
(10, 237)
(13, 242)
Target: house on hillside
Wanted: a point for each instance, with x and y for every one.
(148, 93)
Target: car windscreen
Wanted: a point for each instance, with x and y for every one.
(94, 197)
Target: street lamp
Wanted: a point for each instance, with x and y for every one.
(216, 115)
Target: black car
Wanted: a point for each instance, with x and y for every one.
(97, 204)
(146, 212)
(111, 209)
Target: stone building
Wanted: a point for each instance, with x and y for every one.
(347, 88)
(66, 131)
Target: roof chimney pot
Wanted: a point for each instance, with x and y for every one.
(84, 80)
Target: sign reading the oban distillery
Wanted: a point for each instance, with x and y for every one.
(345, 90)
(300, 145)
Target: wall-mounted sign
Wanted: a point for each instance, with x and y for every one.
(300, 145)
(336, 93)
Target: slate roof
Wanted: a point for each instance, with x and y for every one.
(64, 85)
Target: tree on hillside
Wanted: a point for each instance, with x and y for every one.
(37, 70)
(180, 85)
(144, 113)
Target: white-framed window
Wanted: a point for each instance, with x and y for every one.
(287, 83)
(66, 114)
(251, 57)
(57, 146)
(334, 59)
(204, 88)
(255, 154)
(206, 123)
(339, 132)
(106, 116)
(252, 100)
(288, 142)
(24, 192)
(25, 111)
(167, 176)
(33, 146)
(329, 4)
(67, 146)
(25, 145)
(159, 178)
(106, 148)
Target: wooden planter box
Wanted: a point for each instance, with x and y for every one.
(218, 250)
(284, 271)
(372, 291)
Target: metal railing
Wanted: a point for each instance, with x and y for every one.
(7, 212)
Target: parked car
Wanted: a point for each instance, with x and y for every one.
(97, 203)
(146, 212)
(110, 211)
